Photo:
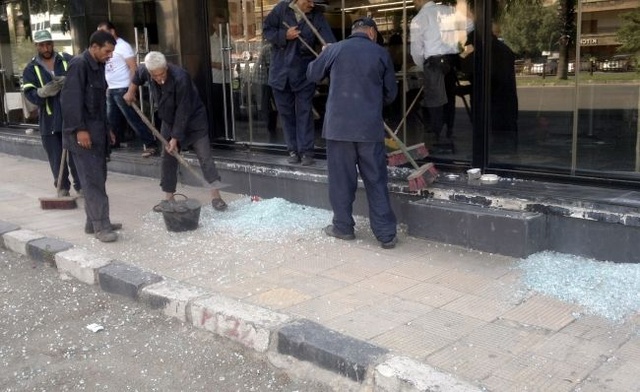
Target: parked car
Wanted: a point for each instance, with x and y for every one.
(620, 63)
(550, 67)
(585, 66)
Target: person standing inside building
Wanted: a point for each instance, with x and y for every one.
(434, 49)
(293, 92)
(83, 101)
(184, 121)
(362, 82)
(220, 76)
(43, 78)
(119, 71)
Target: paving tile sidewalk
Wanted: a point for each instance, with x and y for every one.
(460, 311)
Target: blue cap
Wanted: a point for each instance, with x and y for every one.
(368, 22)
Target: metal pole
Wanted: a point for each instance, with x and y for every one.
(233, 122)
(223, 64)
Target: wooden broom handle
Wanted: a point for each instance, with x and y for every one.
(308, 22)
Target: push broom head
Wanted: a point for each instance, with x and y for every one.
(422, 177)
(398, 158)
(58, 203)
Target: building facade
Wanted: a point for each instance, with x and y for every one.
(583, 129)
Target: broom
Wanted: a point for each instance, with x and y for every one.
(176, 154)
(418, 151)
(423, 175)
(63, 202)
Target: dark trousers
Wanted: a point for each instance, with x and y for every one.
(294, 108)
(220, 93)
(92, 168)
(268, 110)
(53, 146)
(344, 161)
(117, 109)
(440, 91)
(169, 166)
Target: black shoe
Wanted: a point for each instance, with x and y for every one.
(389, 244)
(293, 157)
(330, 231)
(88, 227)
(307, 160)
(106, 236)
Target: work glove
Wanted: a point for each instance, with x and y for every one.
(50, 89)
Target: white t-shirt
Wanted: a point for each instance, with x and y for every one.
(216, 57)
(117, 71)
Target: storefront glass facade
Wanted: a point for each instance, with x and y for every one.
(576, 94)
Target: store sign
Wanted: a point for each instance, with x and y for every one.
(588, 41)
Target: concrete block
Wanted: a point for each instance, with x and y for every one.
(6, 227)
(125, 279)
(247, 324)
(81, 264)
(17, 240)
(173, 297)
(506, 232)
(45, 249)
(312, 342)
(598, 240)
(401, 374)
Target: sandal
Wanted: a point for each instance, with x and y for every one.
(218, 204)
(160, 207)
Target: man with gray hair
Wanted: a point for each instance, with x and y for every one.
(184, 121)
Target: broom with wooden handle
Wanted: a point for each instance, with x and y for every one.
(417, 151)
(60, 202)
(423, 175)
(176, 154)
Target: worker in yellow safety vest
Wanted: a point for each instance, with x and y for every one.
(42, 79)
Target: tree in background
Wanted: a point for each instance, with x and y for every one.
(528, 28)
(567, 29)
(629, 32)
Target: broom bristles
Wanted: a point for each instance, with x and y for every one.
(58, 203)
(396, 158)
(418, 151)
(422, 177)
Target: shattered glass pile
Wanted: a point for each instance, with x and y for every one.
(265, 220)
(606, 289)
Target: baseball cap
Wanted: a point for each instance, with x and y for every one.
(369, 23)
(42, 36)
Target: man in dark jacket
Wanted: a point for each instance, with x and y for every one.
(43, 79)
(184, 121)
(362, 81)
(292, 91)
(83, 100)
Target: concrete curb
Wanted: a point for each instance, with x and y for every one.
(366, 366)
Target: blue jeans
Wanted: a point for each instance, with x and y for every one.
(117, 108)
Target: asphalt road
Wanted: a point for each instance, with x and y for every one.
(45, 344)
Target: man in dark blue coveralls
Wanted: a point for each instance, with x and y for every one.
(84, 99)
(43, 78)
(292, 91)
(362, 81)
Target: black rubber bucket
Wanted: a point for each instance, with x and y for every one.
(181, 215)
